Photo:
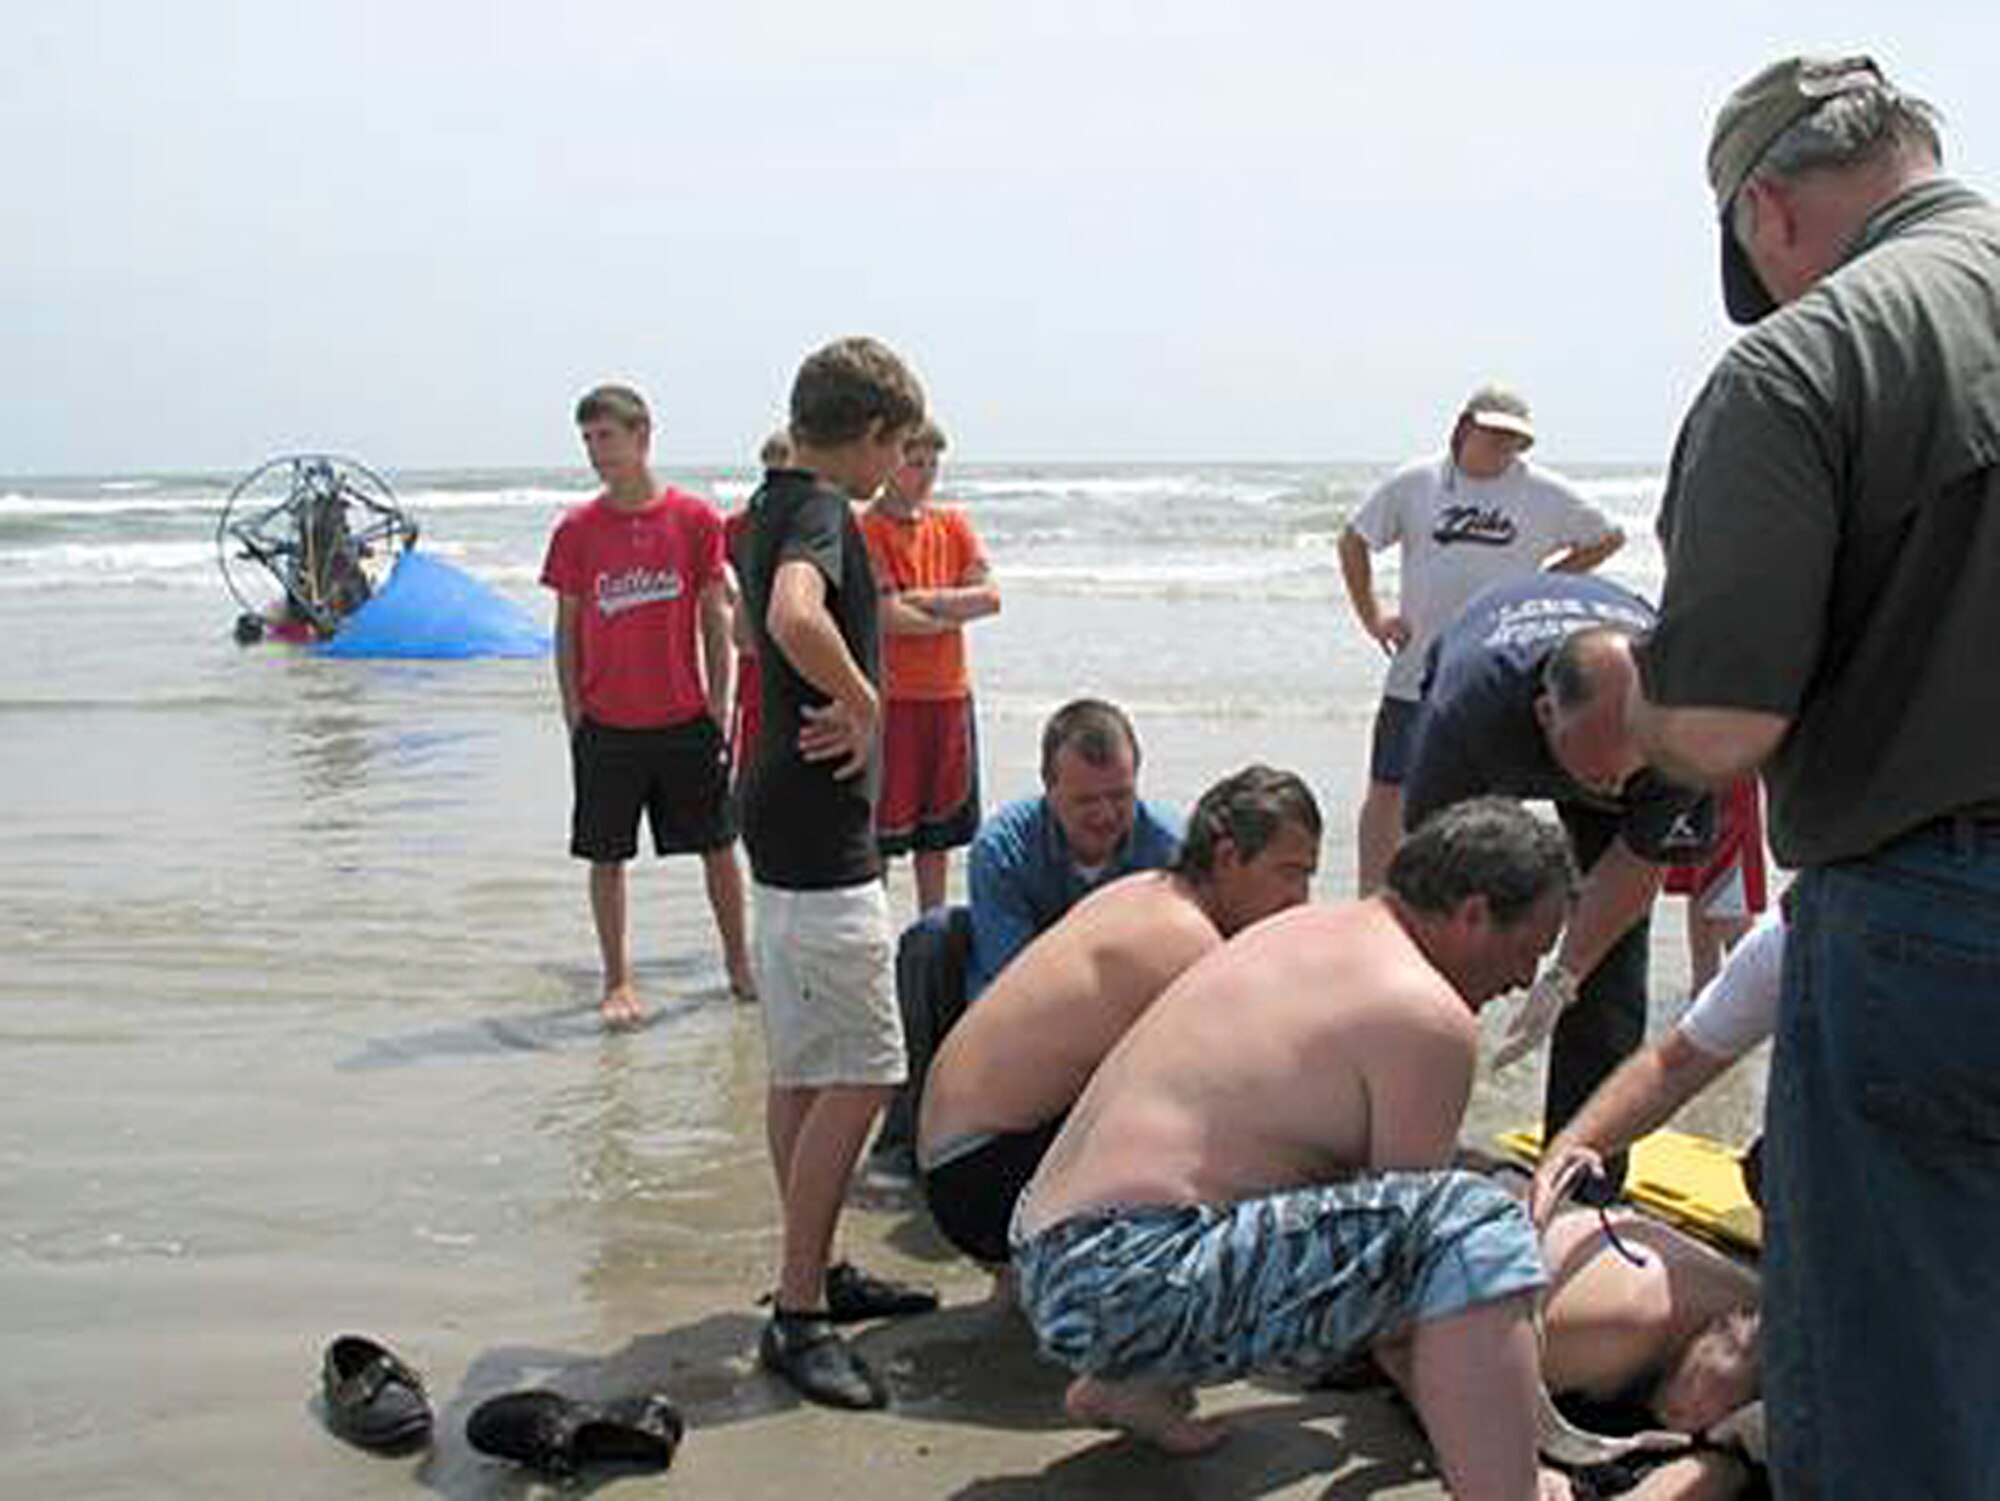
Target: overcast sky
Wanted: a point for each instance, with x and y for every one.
(414, 232)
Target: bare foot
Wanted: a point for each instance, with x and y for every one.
(1551, 1485)
(1157, 1414)
(621, 1006)
(743, 983)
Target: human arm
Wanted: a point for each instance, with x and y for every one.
(1616, 892)
(1391, 632)
(742, 630)
(1702, 747)
(903, 613)
(1641, 1095)
(927, 608)
(973, 597)
(804, 630)
(1738, 641)
(1585, 556)
(718, 653)
(568, 670)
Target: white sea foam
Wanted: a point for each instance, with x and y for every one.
(116, 562)
(57, 506)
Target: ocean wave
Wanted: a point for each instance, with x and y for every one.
(1199, 705)
(85, 560)
(63, 507)
(1251, 576)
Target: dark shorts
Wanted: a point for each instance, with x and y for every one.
(677, 775)
(930, 776)
(1389, 751)
(972, 1194)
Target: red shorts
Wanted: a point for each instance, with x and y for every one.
(930, 776)
(1738, 853)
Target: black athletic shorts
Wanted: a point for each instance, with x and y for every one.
(972, 1197)
(678, 775)
(1389, 749)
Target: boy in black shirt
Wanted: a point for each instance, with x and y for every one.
(833, 1034)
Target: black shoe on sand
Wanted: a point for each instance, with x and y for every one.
(372, 1398)
(558, 1435)
(853, 1295)
(805, 1350)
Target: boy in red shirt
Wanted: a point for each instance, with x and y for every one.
(933, 578)
(643, 661)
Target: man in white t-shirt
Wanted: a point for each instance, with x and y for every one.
(1735, 1011)
(1467, 518)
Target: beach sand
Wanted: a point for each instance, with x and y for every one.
(169, 1380)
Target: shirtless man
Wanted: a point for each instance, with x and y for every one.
(1007, 1073)
(1275, 1131)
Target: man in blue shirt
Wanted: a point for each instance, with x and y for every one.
(1524, 696)
(1032, 861)
(1035, 859)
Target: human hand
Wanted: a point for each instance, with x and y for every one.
(1560, 1168)
(1391, 633)
(1552, 993)
(841, 733)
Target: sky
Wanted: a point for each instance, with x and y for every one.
(1150, 231)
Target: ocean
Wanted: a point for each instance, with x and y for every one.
(297, 1029)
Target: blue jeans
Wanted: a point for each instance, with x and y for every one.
(1882, 1176)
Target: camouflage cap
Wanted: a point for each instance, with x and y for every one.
(1750, 120)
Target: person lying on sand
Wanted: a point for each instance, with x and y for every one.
(1645, 1327)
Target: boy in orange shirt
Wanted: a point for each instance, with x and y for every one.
(933, 578)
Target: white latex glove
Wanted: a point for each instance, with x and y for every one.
(1743, 1428)
(1552, 993)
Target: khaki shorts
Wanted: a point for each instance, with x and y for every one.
(826, 982)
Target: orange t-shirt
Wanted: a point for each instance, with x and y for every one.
(935, 549)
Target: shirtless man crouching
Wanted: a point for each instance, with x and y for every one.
(1255, 1178)
(1016, 1062)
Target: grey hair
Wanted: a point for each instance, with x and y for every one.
(1853, 129)
(1488, 847)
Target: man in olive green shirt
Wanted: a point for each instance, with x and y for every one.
(1831, 608)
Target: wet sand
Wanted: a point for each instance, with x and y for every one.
(162, 1371)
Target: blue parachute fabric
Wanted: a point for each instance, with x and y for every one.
(430, 609)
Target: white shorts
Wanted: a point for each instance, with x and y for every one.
(826, 982)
